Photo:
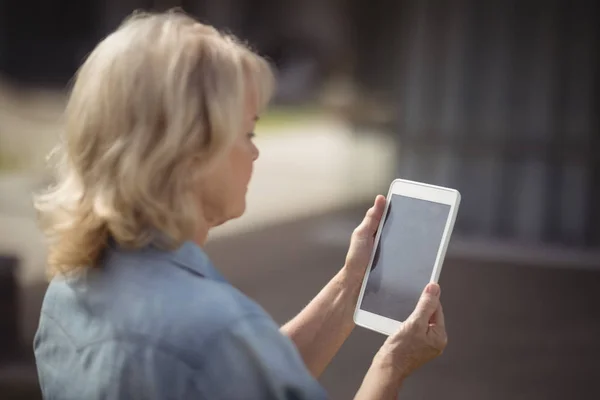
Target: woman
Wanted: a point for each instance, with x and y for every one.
(158, 150)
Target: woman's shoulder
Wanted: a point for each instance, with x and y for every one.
(183, 283)
(174, 299)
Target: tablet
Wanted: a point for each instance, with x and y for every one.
(410, 246)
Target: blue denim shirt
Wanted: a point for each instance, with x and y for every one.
(151, 324)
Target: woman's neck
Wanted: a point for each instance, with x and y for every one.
(201, 232)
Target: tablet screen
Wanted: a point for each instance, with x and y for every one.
(405, 256)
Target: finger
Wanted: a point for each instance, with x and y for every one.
(368, 226)
(437, 329)
(428, 303)
(437, 319)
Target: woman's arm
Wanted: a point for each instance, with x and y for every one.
(380, 383)
(326, 322)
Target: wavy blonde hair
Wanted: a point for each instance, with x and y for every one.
(151, 108)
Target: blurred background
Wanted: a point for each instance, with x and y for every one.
(498, 99)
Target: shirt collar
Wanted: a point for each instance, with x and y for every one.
(188, 256)
(192, 257)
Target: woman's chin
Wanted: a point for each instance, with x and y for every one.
(233, 214)
(240, 210)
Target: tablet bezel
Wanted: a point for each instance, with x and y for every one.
(416, 190)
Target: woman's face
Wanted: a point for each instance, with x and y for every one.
(223, 192)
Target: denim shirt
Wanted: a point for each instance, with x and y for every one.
(151, 324)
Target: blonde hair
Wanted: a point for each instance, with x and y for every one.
(151, 108)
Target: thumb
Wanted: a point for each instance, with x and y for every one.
(368, 226)
(428, 304)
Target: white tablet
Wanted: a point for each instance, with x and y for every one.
(409, 251)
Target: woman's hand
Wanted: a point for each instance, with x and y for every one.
(421, 338)
(362, 241)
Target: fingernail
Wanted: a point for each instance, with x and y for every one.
(433, 289)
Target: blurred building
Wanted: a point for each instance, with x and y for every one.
(498, 99)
